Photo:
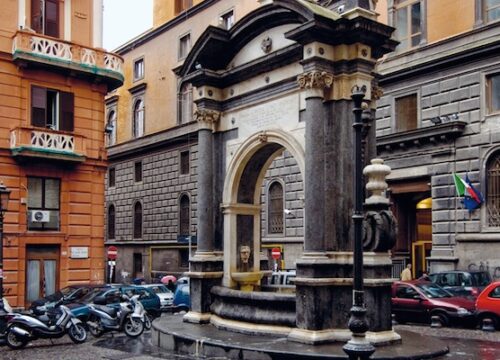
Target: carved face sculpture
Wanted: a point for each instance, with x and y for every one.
(244, 254)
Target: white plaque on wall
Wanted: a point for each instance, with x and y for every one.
(79, 252)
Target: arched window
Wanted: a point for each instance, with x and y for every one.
(184, 215)
(275, 208)
(138, 121)
(493, 189)
(111, 128)
(111, 222)
(186, 104)
(137, 220)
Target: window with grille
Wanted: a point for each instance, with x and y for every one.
(408, 23)
(111, 177)
(184, 215)
(186, 104)
(43, 203)
(137, 220)
(406, 113)
(184, 162)
(111, 222)
(138, 171)
(275, 208)
(493, 190)
(492, 10)
(45, 17)
(184, 46)
(138, 119)
(493, 93)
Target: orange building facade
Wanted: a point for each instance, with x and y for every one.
(53, 79)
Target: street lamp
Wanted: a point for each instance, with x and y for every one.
(4, 201)
(358, 348)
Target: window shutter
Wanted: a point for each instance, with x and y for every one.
(36, 15)
(38, 106)
(66, 111)
(52, 18)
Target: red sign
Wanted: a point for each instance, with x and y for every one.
(112, 252)
(276, 253)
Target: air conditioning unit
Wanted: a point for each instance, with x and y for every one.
(40, 216)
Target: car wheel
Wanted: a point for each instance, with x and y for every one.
(443, 318)
(495, 320)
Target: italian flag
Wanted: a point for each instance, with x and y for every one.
(464, 188)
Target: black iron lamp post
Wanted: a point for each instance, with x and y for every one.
(358, 348)
(4, 201)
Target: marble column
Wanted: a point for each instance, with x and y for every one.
(206, 267)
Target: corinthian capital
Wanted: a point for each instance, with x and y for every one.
(207, 119)
(315, 79)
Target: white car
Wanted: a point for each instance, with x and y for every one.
(166, 296)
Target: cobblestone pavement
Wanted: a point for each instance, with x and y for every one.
(465, 344)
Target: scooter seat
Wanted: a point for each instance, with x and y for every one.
(108, 310)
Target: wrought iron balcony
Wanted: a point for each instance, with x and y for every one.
(31, 142)
(40, 50)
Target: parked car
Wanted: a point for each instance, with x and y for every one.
(462, 283)
(70, 293)
(166, 296)
(418, 301)
(112, 295)
(488, 304)
(182, 299)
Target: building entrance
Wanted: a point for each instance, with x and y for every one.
(42, 271)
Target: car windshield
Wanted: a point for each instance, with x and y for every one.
(91, 295)
(67, 290)
(434, 291)
(157, 289)
(481, 278)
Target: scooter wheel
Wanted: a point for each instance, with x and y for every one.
(147, 322)
(96, 331)
(77, 333)
(14, 341)
(133, 328)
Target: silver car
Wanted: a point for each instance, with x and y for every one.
(166, 296)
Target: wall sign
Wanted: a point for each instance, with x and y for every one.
(79, 252)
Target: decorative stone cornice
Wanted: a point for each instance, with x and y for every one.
(206, 118)
(315, 79)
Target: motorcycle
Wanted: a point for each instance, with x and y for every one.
(44, 324)
(130, 317)
(5, 315)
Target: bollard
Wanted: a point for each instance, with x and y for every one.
(394, 321)
(487, 325)
(436, 322)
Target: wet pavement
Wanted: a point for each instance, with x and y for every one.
(464, 344)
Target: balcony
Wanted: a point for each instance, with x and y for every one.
(37, 143)
(38, 50)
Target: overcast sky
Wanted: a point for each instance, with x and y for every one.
(124, 20)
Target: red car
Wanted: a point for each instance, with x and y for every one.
(488, 304)
(418, 301)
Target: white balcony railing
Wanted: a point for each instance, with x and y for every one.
(51, 141)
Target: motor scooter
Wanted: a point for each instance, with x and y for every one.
(44, 324)
(5, 315)
(129, 317)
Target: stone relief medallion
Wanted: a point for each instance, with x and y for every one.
(267, 44)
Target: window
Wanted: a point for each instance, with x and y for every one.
(493, 93)
(184, 160)
(184, 258)
(52, 109)
(495, 293)
(138, 69)
(43, 203)
(182, 5)
(406, 292)
(111, 128)
(408, 23)
(138, 171)
(138, 119)
(186, 104)
(111, 222)
(184, 46)
(45, 17)
(184, 215)
(493, 189)
(406, 113)
(492, 10)
(137, 220)
(275, 208)
(111, 177)
(227, 20)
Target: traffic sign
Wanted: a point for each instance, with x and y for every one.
(276, 253)
(112, 252)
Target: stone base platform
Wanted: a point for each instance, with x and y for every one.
(171, 333)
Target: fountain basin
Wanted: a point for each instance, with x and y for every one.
(247, 280)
